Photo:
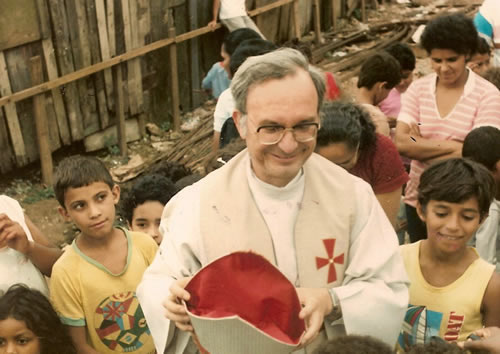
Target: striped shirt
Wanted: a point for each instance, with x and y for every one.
(479, 105)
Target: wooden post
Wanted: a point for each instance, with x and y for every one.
(41, 122)
(317, 22)
(174, 78)
(334, 15)
(120, 110)
(296, 19)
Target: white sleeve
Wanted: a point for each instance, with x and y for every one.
(374, 294)
(223, 109)
(15, 212)
(178, 256)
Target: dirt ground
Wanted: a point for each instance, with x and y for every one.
(41, 206)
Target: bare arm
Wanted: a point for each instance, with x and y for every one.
(390, 204)
(411, 144)
(491, 305)
(215, 13)
(215, 141)
(42, 253)
(79, 337)
(489, 342)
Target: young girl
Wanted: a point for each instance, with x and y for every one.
(439, 109)
(29, 324)
(453, 292)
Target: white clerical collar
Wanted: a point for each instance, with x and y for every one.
(282, 193)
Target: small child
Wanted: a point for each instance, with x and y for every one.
(29, 324)
(480, 59)
(483, 145)
(379, 74)
(143, 205)
(25, 253)
(453, 291)
(217, 80)
(94, 282)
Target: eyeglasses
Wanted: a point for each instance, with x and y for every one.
(272, 134)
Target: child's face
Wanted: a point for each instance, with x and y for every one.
(450, 225)
(479, 63)
(146, 218)
(92, 208)
(16, 337)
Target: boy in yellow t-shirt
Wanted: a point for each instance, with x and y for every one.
(93, 283)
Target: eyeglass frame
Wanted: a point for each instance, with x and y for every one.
(284, 130)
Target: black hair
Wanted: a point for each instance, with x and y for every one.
(380, 67)
(249, 48)
(171, 170)
(436, 347)
(403, 54)
(493, 76)
(455, 32)
(147, 188)
(483, 145)
(455, 181)
(482, 46)
(79, 171)
(34, 309)
(234, 38)
(354, 344)
(343, 122)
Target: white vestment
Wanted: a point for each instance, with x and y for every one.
(373, 294)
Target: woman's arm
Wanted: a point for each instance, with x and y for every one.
(390, 203)
(411, 144)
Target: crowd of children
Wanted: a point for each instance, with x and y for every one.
(446, 124)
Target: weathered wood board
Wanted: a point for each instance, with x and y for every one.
(19, 23)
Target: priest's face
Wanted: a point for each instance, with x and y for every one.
(280, 126)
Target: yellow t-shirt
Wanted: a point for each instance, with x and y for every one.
(85, 293)
(451, 312)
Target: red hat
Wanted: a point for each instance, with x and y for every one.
(241, 304)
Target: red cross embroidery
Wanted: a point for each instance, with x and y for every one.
(330, 261)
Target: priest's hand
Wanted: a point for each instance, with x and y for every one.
(175, 310)
(316, 304)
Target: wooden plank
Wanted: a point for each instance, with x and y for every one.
(195, 55)
(144, 23)
(296, 19)
(110, 20)
(11, 115)
(174, 81)
(105, 52)
(44, 18)
(19, 23)
(41, 123)
(132, 65)
(181, 26)
(120, 126)
(18, 96)
(95, 54)
(7, 158)
(60, 112)
(78, 29)
(267, 21)
(65, 60)
(317, 24)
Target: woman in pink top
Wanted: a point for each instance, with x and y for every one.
(439, 109)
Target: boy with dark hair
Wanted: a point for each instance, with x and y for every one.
(354, 344)
(93, 283)
(483, 145)
(480, 59)
(451, 288)
(143, 204)
(391, 105)
(378, 76)
(493, 76)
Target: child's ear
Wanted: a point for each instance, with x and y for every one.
(64, 213)
(237, 115)
(115, 192)
(420, 212)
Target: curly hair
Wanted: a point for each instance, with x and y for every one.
(348, 123)
(152, 187)
(34, 309)
(493, 76)
(455, 32)
(483, 145)
(456, 181)
(354, 344)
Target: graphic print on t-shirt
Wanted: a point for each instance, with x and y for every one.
(120, 323)
(419, 326)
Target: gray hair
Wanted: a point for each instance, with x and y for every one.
(273, 65)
